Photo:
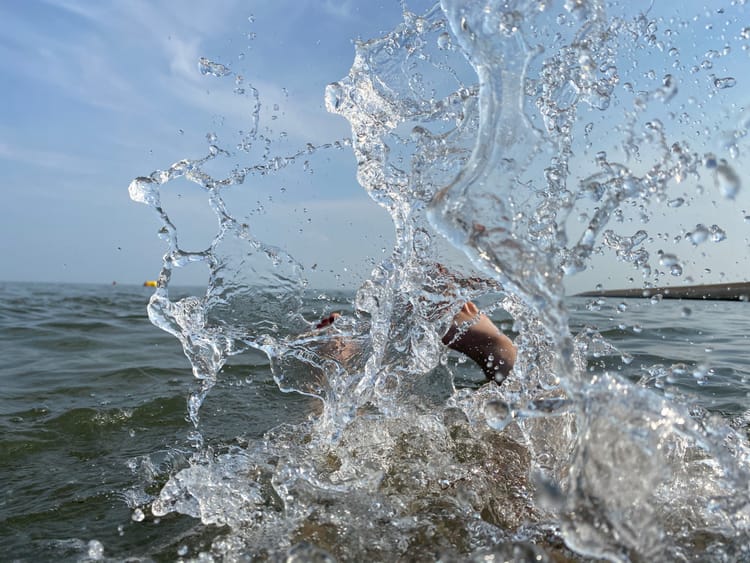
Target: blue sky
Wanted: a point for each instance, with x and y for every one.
(97, 93)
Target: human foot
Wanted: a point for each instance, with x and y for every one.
(474, 334)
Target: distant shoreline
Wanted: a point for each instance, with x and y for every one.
(737, 291)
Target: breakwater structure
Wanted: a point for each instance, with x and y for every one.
(734, 291)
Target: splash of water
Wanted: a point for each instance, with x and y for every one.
(472, 121)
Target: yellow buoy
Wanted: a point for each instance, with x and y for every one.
(149, 283)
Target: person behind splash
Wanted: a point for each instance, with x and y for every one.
(481, 341)
(473, 334)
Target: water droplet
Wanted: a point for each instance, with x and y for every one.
(677, 202)
(207, 67)
(698, 235)
(96, 549)
(334, 97)
(656, 299)
(711, 54)
(622, 307)
(745, 33)
(144, 190)
(138, 515)
(548, 493)
(679, 369)
(727, 180)
(723, 83)
(444, 40)
(498, 414)
(717, 233)
(686, 311)
(667, 260)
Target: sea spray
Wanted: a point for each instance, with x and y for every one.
(489, 124)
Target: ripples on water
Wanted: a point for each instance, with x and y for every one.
(532, 135)
(94, 420)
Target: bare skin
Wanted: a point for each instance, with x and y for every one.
(474, 334)
(328, 320)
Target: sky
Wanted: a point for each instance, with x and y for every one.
(97, 93)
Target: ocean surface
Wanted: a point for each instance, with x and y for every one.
(525, 140)
(94, 414)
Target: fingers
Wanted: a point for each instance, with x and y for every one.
(467, 313)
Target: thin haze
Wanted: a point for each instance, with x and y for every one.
(96, 94)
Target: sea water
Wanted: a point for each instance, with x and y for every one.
(94, 420)
(531, 137)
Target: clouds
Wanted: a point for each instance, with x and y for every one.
(53, 160)
(97, 93)
(343, 10)
(76, 64)
(101, 54)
